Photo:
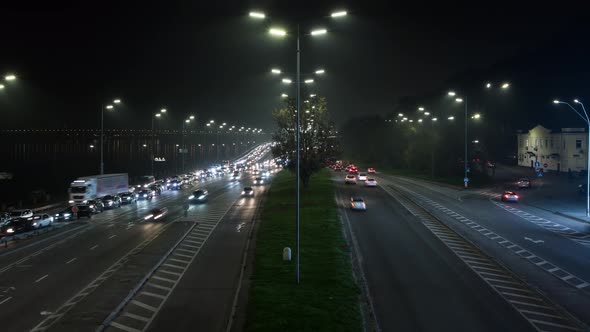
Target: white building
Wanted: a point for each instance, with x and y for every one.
(556, 151)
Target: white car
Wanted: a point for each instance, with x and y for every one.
(357, 203)
(350, 179)
(370, 182)
(42, 220)
(20, 214)
(362, 176)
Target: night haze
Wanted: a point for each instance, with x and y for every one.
(214, 61)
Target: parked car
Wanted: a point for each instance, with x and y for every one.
(26, 213)
(111, 201)
(95, 205)
(524, 183)
(199, 196)
(509, 196)
(248, 191)
(42, 220)
(358, 204)
(145, 194)
(128, 198)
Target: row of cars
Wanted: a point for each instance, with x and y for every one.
(19, 221)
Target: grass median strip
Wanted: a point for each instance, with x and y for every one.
(327, 299)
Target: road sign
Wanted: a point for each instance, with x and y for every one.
(466, 180)
(182, 150)
(537, 164)
(75, 209)
(545, 165)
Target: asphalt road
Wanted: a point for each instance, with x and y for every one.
(73, 278)
(417, 283)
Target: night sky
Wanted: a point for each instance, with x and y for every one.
(213, 61)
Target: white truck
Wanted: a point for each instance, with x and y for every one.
(96, 186)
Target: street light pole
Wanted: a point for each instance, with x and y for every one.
(298, 156)
(465, 179)
(101, 139)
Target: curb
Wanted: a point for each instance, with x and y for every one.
(561, 214)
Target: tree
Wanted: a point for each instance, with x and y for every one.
(318, 137)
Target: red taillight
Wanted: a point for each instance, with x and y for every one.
(516, 196)
(506, 196)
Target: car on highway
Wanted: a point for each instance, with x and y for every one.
(524, 183)
(175, 184)
(509, 196)
(370, 182)
(248, 192)
(111, 201)
(84, 210)
(128, 198)
(157, 190)
(145, 195)
(371, 170)
(362, 177)
(258, 180)
(64, 215)
(95, 205)
(14, 226)
(26, 213)
(357, 204)
(157, 214)
(41, 220)
(350, 179)
(199, 196)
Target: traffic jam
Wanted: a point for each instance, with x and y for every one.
(92, 195)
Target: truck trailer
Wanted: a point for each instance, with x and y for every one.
(97, 186)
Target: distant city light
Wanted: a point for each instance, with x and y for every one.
(420, 108)
(192, 117)
(434, 119)
(451, 118)
(339, 14)
(158, 115)
(109, 107)
(556, 101)
(319, 32)
(91, 146)
(1, 86)
(459, 100)
(419, 120)
(312, 95)
(488, 85)
(117, 101)
(400, 114)
(476, 116)
(284, 95)
(163, 110)
(426, 113)
(277, 32)
(309, 81)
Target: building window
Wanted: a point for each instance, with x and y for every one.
(527, 143)
(546, 145)
(578, 144)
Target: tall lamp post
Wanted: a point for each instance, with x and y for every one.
(156, 116)
(183, 147)
(102, 108)
(283, 33)
(587, 121)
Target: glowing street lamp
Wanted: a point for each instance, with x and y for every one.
(319, 32)
(10, 77)
(451, 93)
(257, 15)
(117, 101)
(488, 85)
(338, 14)
(320, 71)
(286, 81)
(275, 71)
(309, 81)
(277, 32)
(505, 86)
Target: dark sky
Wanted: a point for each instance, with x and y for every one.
(194, 57)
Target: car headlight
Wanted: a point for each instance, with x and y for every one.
(145, 195)
(243, 192)
(110, 203)
(71, 202)
(35, 224)
(92, 206)
(57, 214)
(10, 230)
(128, 198)
(202, 196)
(67, 214)
(191, 197)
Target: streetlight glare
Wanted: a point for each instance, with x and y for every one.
(320, 71)
(286, 80)
(577, 101)
(476, 116)
(192, 117)
(187, 120)
(556, 101)
(117, 101)
(163, 110)
(308, 81)
(158, 115)
(319, 32)
(339, 14)
(1, 86)
(109, 107)
(505, 85)
(277, 32)
(434, 119)
(10, 77)
(451, 93)
(459, 100)
(419, 120)
(400, 114)
(212, 121)
(284, 95)
(420, 108)
(426, 113)
(258, 15)
(275, 71)
(208, 125)
(489, 85)
(224, 124)
(451, 118)
(312, 95)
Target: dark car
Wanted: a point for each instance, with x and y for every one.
(259, 180)
(175, 184)
(157, 214)
(248, 191)
(199, 196)
(509, 196)
(111, 201)
(64, 215)
(15, 226)
(84, 211)
(95, 205)
(146, 194)
(156, 189)
(128, 198)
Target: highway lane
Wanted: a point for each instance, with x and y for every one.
(415, 281)
(526, 242)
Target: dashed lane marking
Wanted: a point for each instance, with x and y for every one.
(43, 277)
(536, 310)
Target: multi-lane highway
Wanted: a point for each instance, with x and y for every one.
(434, 258)
(80, 277)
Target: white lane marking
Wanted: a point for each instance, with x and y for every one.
(94, 247)
(143, 305)
(153, 295)
(534, 241)
(159, 286)
(124, 327)
(71, 260)
(5, 300)
(43, 277)
(111, 225)
(112, 236)
(141, 318)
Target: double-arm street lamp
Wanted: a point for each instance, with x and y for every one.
(102, 108)
(7, 78)
(183, 149)
(156, 116)
(283, 33)
(587, 121)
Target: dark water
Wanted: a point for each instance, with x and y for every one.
(47, 161)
